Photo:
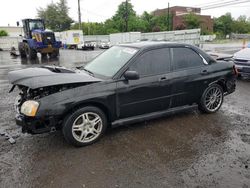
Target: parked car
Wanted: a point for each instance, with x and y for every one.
(242, 62)
(104, 45)
(86, 45)
(125, 84)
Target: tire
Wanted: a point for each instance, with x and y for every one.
(30, 52)
(78, 133)
(21, 49)
(212, 99)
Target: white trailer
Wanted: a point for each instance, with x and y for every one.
(118, 38)
(71, 38)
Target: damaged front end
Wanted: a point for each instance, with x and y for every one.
(35, 84)
(30, 122)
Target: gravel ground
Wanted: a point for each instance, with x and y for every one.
(188, 149)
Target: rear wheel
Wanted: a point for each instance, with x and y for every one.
(21, 49)
(84, 126)
(30, 52)
(211, 99)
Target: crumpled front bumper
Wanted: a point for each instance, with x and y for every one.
(34, 125)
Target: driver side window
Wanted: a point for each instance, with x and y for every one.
(152, 62)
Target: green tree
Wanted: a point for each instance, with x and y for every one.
(137, 24)
(56, 16)
(156, 23)
(148, 21)
(192, 21)
(159, 22)
(3, 33)
(125, 11)
(110, 27)
(241, 25)
(224, 24)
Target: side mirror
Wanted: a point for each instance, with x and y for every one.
(131, 75)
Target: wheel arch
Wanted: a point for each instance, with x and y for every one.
(221, 82)
(99, 105)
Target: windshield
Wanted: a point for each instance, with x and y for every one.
(36, 24)
(110, 61)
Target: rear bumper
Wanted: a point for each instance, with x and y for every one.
(34, 125)
(104, 47)
(88, 47)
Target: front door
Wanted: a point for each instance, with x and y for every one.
(152, 91)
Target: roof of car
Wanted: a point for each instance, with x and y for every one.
(148, 44)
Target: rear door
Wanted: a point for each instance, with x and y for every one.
(152, 91)
(189, 76)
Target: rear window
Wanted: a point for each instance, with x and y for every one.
(185, 58)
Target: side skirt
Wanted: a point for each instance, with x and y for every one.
(152, 115)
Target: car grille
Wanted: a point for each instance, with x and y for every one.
(246, 69)
(242, 62)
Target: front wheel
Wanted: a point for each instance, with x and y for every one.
(84, 126)
(211, 99)
(21, 48)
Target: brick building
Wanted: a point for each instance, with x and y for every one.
(178, 13)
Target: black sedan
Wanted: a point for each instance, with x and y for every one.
(125, 84)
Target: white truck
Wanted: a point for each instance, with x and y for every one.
(117, 38)
(71, 38)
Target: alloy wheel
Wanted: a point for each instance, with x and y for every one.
(87, 127)
(213, 99)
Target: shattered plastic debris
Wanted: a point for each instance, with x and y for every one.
(8, 137)
(12, 140)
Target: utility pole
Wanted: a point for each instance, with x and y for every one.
(79, 15)
(168, 18)
(126, 17)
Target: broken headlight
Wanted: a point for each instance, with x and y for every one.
(29, 108)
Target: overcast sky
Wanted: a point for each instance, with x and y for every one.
(99, 10)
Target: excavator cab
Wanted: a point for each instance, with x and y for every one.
(30, 25)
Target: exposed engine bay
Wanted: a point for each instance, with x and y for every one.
(34, 94)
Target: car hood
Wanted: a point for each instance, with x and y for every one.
(49, 76)
(243, 54)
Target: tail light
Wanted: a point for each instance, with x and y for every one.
(235, 70)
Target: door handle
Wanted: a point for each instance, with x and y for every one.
(162, 78)
(204, 72)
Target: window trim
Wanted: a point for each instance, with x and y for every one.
(204, 60)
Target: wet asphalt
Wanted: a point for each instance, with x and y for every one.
(187, 149)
